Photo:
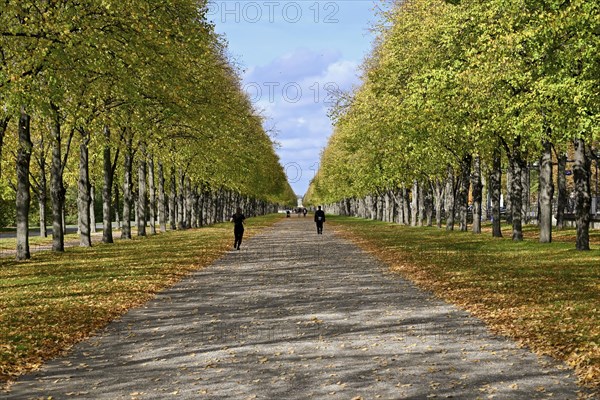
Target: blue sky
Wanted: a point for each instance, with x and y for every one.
(292, 53)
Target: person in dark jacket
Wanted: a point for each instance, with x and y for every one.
(238, 228)
(319, 219)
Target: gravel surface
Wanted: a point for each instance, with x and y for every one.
(296, 315)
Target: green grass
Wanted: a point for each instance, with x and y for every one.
(55, 300)
(547, 296)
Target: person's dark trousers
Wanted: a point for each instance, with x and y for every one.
(239, 233)
(320, 228)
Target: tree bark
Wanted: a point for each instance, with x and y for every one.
(380, 207)
(450, 196)
(477, 195)
(583, 199)
(406, 217)
(517, 194)
(23, 195)
(42, 200)
(83, 190)
(508, 198)
(127, 188)
(562, 191)
(142, 203)
(180, 205)
(372, 207)
(173, 200)
(546, 193)
(152, 195)
(439, 201)
(525, 206)
(42, 190)
(195, 212)
(189, 202)
(92, 209)
(421, 206)
(57, 189)
(428, 202)
(162, 209)
(108, 168)
(201, 206)
(463, 192)
(414, 205)
(116, 207)
(485, 195)
(495, 192)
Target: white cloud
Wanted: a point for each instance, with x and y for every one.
(292, 91)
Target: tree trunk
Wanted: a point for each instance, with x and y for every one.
(562, 191)
(162, 209)
(201, 206)
(152, 196)
(477, 195)
(495, 192)
(583, 199)
(23, 196)
(206, 207)
(450, 195)
(195, 213)
(180, 205)
(63, 217)
(42, 190)
(386, 206)
(57, 189)
(397, 197)
(83, 198)
(92, 209)
(546, 193)
(421, 205)
(127, 188)
(485, 195)
(173, 200)
(142, 204)
(107, 172)
(517, 192)
(42, 199)
(116, 207)
(428, 202)
(414, 205)
(463, 193)
(370, 207)
(189, 202)
(406, 217)
(508, 198)
(525, 206)
(439, 201)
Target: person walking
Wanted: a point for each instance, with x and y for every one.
(238, 228)
(319, 219)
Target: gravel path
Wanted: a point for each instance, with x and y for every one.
(294, 315)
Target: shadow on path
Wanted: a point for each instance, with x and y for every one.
(294, 315)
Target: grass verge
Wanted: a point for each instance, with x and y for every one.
(546, 296)
(53, 301)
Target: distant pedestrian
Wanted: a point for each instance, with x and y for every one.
(305, 211)
(319, 219)
(238, 228)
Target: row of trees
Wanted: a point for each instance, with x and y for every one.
(95, 91)
(459, 90)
